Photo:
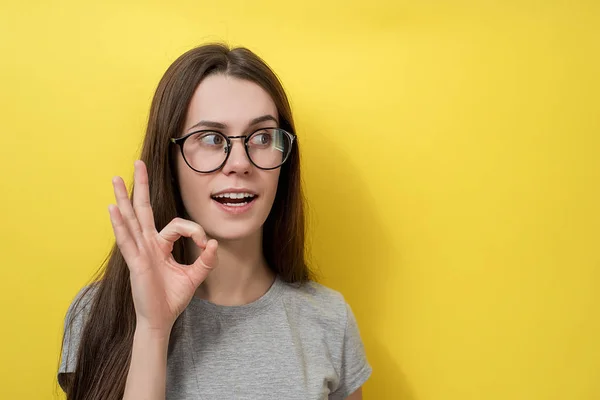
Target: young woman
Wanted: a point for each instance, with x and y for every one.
(206, 293)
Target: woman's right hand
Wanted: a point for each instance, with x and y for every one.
(161, 287)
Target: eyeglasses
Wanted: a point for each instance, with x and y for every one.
(207, 151)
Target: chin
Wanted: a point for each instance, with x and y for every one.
(233, 234)
(232, 224)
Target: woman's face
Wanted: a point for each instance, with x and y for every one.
(231, 106)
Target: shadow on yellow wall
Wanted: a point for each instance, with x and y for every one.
(450, 155)
(354, 251)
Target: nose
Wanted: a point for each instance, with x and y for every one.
(238, 161)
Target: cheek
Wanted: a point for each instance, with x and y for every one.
(193, 188)
(271, 179)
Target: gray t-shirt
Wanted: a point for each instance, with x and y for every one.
(295, 342)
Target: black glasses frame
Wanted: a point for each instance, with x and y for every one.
(246, 138)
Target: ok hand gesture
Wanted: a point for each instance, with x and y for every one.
(161, 287)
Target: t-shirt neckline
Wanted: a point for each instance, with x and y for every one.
(265, 300)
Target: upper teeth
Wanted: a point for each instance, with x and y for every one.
(234, 195)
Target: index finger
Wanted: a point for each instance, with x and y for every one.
(141, 197)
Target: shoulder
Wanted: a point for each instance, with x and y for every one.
(315, 294)
(325, 323)
(318, 302)
(79, 310)
(75, 320)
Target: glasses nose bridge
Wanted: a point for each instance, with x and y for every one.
(230, 143)
(242, 139)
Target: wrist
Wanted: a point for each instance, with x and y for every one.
(152, 333)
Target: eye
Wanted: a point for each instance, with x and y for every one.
(261, 139)
(210, 139)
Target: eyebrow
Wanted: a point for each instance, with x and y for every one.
(220, 125)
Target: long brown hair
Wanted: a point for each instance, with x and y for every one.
(102, 362)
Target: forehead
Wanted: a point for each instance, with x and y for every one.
(231, 101)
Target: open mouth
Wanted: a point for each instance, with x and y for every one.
(234, 199)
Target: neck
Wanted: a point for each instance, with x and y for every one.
(242, 275)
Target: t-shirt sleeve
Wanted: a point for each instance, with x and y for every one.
(73, 326)
(355, 369)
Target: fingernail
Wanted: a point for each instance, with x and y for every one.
(204, 241)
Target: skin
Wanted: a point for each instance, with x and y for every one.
(233, 103)
(229, 267)
(243, 275)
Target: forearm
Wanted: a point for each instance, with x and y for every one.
(146, 379)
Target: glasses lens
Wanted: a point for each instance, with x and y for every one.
(269, 148)
(205, 151)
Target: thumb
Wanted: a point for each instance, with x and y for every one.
(204, 264)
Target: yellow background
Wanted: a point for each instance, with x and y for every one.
(450, 154)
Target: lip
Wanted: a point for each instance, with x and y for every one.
(235, 190)
(234, 210)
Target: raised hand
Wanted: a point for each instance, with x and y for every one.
(161, 287)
